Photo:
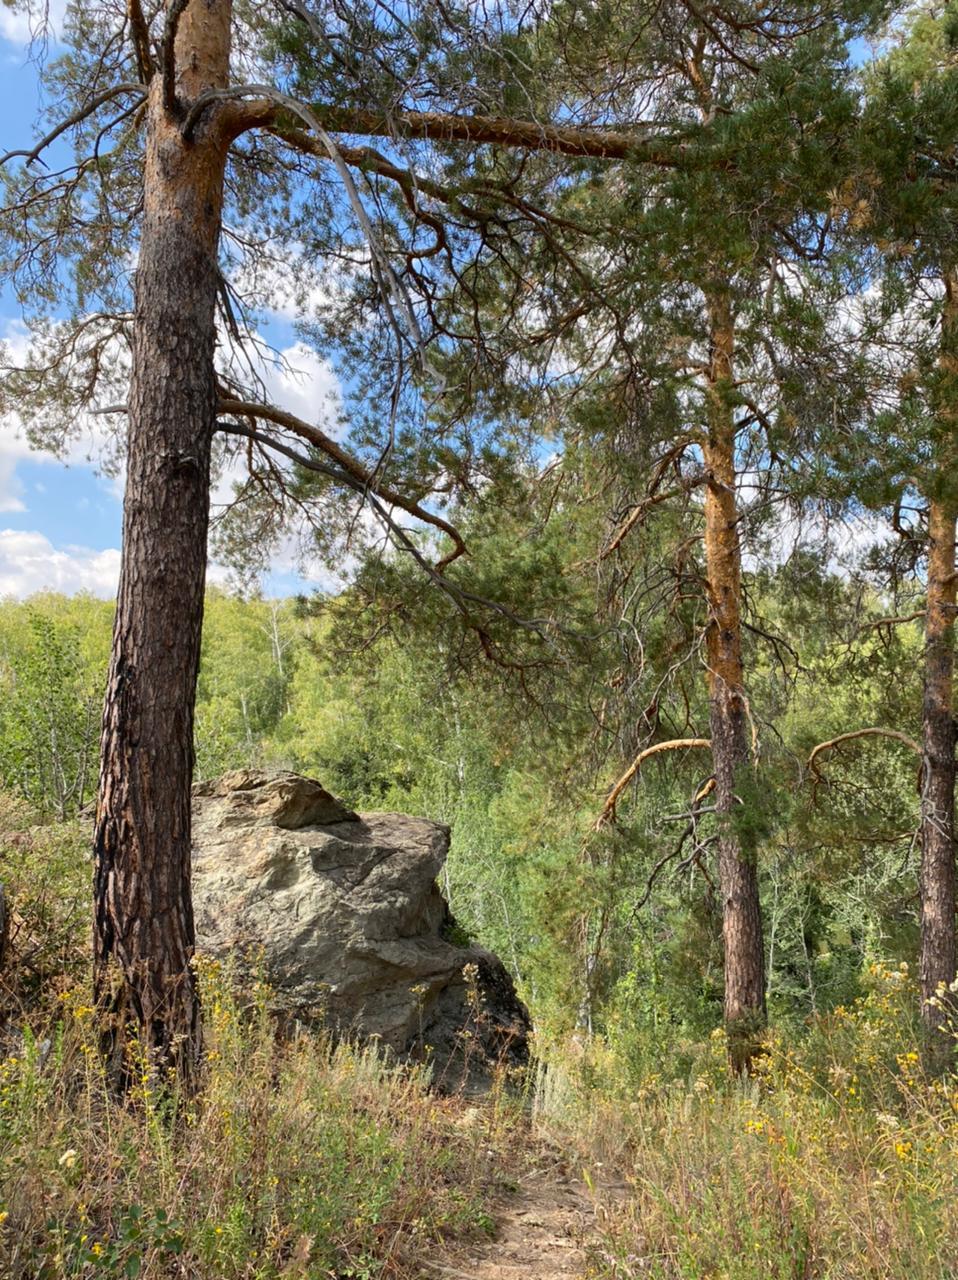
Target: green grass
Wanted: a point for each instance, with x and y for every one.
(837, 1161)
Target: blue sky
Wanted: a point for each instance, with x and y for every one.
(60, 520)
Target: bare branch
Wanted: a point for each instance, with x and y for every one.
(389, 283)
(78, 117)
(141, 40)
(361, 475)
(677, 744)
(849, 737)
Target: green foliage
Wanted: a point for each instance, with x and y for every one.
(835, 1159)
(591, 925)
(51, 703)
(247, 664)
(46, 877)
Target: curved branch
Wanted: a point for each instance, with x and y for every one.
(411, 183)
(389, 283)
(360, 475)
(460, 597)
(849, 737)
(641, 510)
(269, 442)
(676, 744)
(892, 621)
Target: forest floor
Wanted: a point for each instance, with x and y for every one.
(546, 1227)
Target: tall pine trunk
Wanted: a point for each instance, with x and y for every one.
(937, 965)
(938, 947)
(143, 928)
(737, 872)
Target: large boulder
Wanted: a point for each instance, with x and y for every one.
(344, 912)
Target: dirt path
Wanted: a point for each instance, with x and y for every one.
(543, 1232)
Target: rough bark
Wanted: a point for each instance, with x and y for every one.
(640, 143)
(937, 963)
(143, 927)
(738, 876)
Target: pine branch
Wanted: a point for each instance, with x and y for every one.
(76, 118)
(265, 112)
(461, 597)
(639, 512)
(351, 466)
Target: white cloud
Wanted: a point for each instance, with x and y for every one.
(92, 442)
(31, 20)
(298, 380)
(11, 487)
(306, 385)
(15, 448)
(30, 562)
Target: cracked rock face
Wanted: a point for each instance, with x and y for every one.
(345, 910)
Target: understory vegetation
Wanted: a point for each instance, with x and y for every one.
(601, 358)
(837, 1157)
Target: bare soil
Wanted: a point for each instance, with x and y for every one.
(545, 1230)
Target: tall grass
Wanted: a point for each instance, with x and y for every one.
(295, 1160)
(839, 1160)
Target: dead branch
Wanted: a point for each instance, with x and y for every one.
(849, 737)
(697, 810)
(391, 287)
(77, 118)
(639, 512)
(365, 477)
(676, 744)
(141, 40)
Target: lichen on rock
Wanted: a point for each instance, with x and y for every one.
(347, 919)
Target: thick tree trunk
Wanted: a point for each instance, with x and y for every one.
(937, 966)
(738, 876)
(143, 929)
(938, 946)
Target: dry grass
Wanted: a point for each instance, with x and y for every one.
(840, 1160)
(295, 1161)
